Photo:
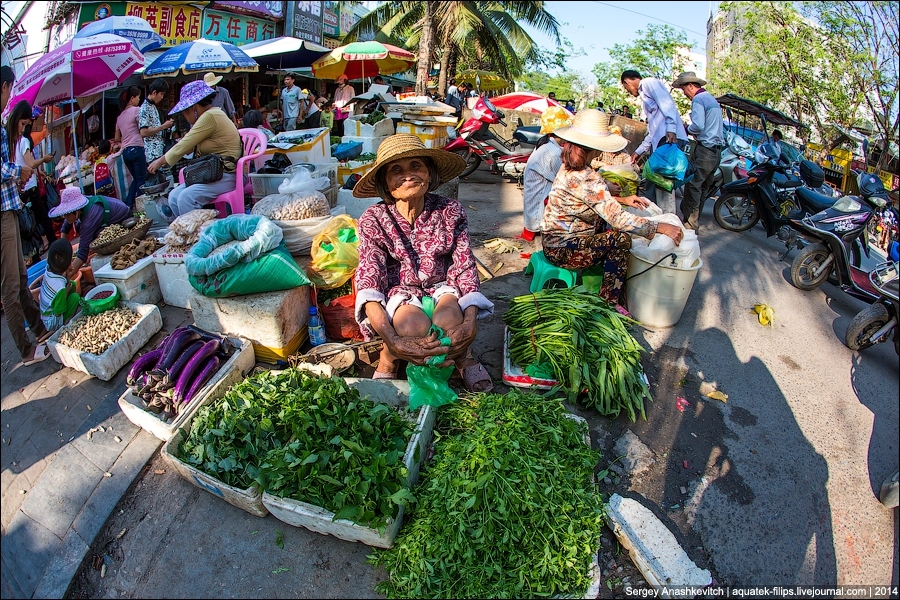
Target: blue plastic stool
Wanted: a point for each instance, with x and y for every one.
(543, 272)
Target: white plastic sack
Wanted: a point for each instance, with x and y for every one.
(298, 235)
(686, 253)
(299, 197)
(652, 210)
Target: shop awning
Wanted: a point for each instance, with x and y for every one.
(751, 107)
(284, 53)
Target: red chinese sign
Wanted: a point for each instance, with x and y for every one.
(235, 29)
(176, 24)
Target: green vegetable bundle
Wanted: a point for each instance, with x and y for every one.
(506, 510)
(587, 343)
(373, 117)
(296, 435)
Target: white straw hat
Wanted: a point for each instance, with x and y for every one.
(591, 128)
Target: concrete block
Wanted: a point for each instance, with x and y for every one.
(637, 456)
(63, 567)
(124, 471)
(653, 548)
(62, 491)
(27, 549)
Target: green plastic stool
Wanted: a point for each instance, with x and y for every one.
(543, 272)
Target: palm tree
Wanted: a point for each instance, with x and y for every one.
(483, 34)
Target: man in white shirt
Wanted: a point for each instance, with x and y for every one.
(291, 96)
(663, 125)
(222, 99)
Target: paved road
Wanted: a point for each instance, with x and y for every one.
(792, 461)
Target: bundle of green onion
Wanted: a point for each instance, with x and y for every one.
(587, 344)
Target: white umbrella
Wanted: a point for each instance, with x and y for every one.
(136, 29)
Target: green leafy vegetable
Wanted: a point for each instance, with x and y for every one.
(373, 117)
(506, 510)
(587, 344)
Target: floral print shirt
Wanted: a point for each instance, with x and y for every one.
(419, 259)
(154, 145)
(580, 204)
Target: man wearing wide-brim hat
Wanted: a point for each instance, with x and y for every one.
(707, 129)
(222, 98)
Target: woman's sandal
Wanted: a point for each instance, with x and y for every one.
(41, 353)
(474, 376)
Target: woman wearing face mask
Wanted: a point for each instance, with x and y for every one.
(212, 132)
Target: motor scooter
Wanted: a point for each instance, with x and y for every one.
(833, 241)
(874, 324)
(476, 142)
(733, 158)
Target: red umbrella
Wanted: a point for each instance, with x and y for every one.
(526, 101)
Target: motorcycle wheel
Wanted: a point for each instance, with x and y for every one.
(734, 211)
(864, 324)
(472, 161)
(806, 260)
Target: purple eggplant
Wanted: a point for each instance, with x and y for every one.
(174, 350)
(142, 365)
(192, 368)
(207, 371)
(172, 375)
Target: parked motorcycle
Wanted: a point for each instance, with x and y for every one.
(875, 324)
(730, 165)
(476, 142)
(834, 240)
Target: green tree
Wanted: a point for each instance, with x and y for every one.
(485, 35)
(782, 61)
(659, 52)
(864, 36)
(547, 72)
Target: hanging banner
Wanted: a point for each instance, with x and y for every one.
(306, 21)
(235, 29)
(259, 8)
(331, 19)
(176, 24)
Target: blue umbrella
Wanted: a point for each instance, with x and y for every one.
(200, 56)
(136, 29)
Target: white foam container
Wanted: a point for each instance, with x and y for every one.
(353, 126)
(138, 283)
(105, 366)
(173, 278)
(302, 514)
(355, 206)
(235, 369)
(369, 144)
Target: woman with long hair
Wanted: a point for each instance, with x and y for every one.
(128, 134)
(20, 146)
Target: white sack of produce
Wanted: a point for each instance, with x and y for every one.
(298, 235)
(185, 230)
(652, 210)
(299, 197)
(255, 235)
(687, 252)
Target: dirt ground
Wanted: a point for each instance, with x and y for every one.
(494, 211)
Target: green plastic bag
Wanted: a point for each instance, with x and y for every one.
(273, 271)
(658, 180)
(428, 382)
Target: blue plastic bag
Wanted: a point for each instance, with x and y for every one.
(669, 161)
(347, 150)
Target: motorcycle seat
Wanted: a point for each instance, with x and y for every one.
(786, 181)
(817, 202)
(528, 135)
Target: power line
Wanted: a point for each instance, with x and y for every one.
(651, 17)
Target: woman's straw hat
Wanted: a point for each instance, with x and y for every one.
(71, 200)
(405, 145)
(590, 128)
(211, 79)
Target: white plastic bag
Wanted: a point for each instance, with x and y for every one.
(298, 235)
(686, 253)
(298, 198)
(652, 210)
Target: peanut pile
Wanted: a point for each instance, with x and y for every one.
(97, 333)
(114, 232)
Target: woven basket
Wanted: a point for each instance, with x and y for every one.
(110, 247)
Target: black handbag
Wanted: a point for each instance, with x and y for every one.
(205, 169)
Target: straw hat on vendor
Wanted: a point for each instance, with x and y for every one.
(416, 268)
(95, 213)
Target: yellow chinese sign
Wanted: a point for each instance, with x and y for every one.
(176, 24)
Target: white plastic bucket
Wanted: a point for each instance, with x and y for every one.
(657, 297)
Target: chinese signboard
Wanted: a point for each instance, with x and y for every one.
(331, 19)
(348, 20)
(176, 24)
(306, 21)
(235, 29)
(269, 10)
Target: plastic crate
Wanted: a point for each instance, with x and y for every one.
(235, 369)
(265, 183)
(315, 518)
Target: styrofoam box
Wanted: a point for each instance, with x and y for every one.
(433, 136)
(98, 261)
(105, 366)
(353, 126)
(138, 283)
(173, 278)
(314, 518)
(271, 319)
(316, 151)
(369, 144)
(235, 369)
(355, 206)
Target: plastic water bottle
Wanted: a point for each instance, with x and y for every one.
(316, 327)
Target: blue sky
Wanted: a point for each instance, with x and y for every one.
(598, 26)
